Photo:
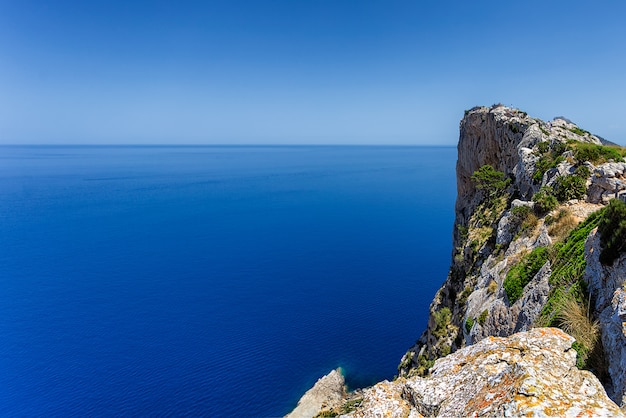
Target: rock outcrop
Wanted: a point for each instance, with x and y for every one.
(527, 374)
(327, 393)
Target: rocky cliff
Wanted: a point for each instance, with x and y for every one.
(528, 253)
(519, 254)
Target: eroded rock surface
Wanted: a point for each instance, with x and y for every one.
(328, 392)
(527, 374)
(606, 285)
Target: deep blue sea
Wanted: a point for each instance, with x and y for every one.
(212, 281)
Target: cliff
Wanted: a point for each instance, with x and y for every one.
(519, 254)
(539, 241)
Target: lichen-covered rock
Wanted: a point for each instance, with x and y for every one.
(527, 374)
(328, 392)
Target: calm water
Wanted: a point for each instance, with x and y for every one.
(212, 281)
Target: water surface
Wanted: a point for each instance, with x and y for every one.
(212, 281)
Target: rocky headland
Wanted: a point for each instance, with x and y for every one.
(539, 244)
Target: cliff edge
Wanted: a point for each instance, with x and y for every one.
(530, 195)
(539, 242)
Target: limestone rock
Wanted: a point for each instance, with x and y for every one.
(328, 392)
(606, 286)
(607, 180)
(527, 374)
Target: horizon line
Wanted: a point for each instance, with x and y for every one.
(223, 145)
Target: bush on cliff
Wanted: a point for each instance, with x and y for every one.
(597, 154)
(442, 320)
(544, 201)
(570, 187)
(550, 155)
(490, 181)
(612, 228)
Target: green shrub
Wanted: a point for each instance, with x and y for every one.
(550, 155)
(544, 201)
(469, 323)
(464, 295)
(578, 131)
(543, 147)
(582, 171)
(445, 350)
(612, 228)
(570, 187)
(351, 405)
(522, 273)
(442, 320)
(597, 154)
(491, 181)
(582, 353)
(483, 317)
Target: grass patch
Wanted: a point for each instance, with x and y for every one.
(523, 220)
(576, 321)
(522, 273)
(578, 131)
(561, 225)
(568, 261)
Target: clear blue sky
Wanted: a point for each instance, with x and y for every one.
(291, 71)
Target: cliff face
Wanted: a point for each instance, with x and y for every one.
(526, 255)
(505, 275)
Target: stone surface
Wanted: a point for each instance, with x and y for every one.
(328, 392)
(607, 179)
(527, 374)
(606, 286)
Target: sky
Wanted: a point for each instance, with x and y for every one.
(302, 72)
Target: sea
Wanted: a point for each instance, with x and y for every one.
(212, 280)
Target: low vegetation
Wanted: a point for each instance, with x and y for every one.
(442, 320)
(545, 201)
(568, 299)
(612, 228)
(596, 154)
(550, 155)
(483, 317)
(575, 319)
(522, 273)
(560, 225)
(490, 181)
(469, 323)
(570, 187)
(523, 220)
